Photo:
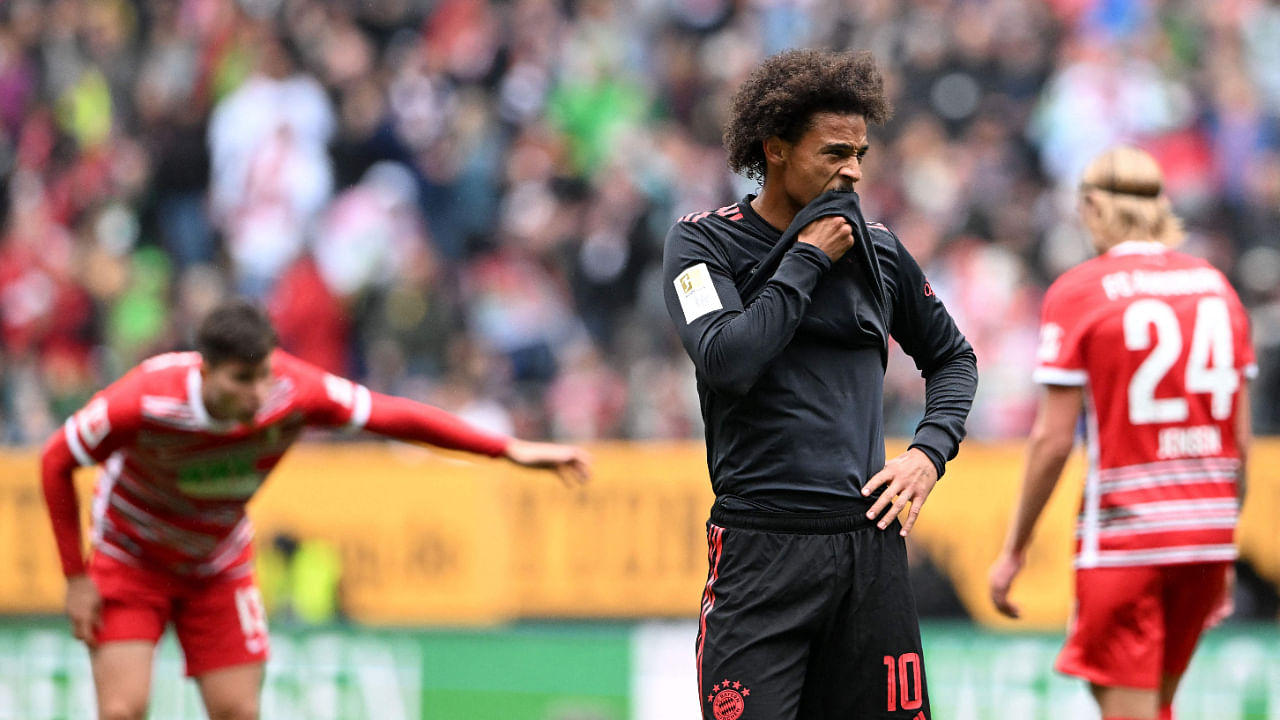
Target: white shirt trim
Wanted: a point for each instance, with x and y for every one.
(362, 406)
(1138, 247)
(195, 397)
(73, 441)
(107, 480)
(1059, 376)
(1163, 556)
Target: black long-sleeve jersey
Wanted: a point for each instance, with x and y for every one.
(791, 378)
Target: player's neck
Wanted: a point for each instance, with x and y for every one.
(774, 208)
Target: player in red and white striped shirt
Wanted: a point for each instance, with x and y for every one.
(184, 441)
(1153, 345)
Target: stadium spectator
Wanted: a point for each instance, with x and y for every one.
(271, 173)
(300, 580)
(786, 302)
(1153, 346)
(543, 131)
(185, 440)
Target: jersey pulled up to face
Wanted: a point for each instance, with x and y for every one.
(1161, 344)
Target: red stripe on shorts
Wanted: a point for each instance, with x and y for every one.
(715, 547)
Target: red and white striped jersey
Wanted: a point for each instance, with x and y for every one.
(1160, 342)
(175, 481)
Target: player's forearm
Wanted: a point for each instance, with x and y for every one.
(949, 393)
(56, 474)
(417, 422)
(734, 352)
(1244, 439)
(1046, 457)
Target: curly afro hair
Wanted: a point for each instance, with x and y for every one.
(782, 95)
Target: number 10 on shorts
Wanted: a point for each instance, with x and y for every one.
(904, 681)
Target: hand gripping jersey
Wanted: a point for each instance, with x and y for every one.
(175, 481)
(1161, 343)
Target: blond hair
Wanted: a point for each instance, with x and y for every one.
(1127, 186)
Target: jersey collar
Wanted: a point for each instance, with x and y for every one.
(1138, 247)
(754, 219)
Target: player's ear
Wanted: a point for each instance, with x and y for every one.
(775, 150)
(1087, 205)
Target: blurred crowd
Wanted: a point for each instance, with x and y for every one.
(464, 202)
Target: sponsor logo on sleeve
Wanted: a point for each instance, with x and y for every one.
(696, 292)
(94, 423)
(1050, 342)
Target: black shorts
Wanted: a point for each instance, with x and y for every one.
(808, 617)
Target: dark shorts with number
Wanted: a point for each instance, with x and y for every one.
(806, 618)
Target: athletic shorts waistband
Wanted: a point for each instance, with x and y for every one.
(816, 523)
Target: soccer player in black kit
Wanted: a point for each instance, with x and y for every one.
(786, 302)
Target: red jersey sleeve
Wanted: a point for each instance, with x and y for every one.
(325, 399)
(332, 401)
(416, 422)
(107, 422)
(1063, 325)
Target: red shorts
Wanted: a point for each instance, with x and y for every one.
(219, 621)
(1133, 625)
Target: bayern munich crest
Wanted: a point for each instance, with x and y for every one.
(728, 700)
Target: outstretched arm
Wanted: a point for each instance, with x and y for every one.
(571, 464)
(1244, 439)
(417, 422)
(1052, 437)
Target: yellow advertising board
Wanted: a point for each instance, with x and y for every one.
(30, 575)
(441, 538)
(632, 543)
(417, 532)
